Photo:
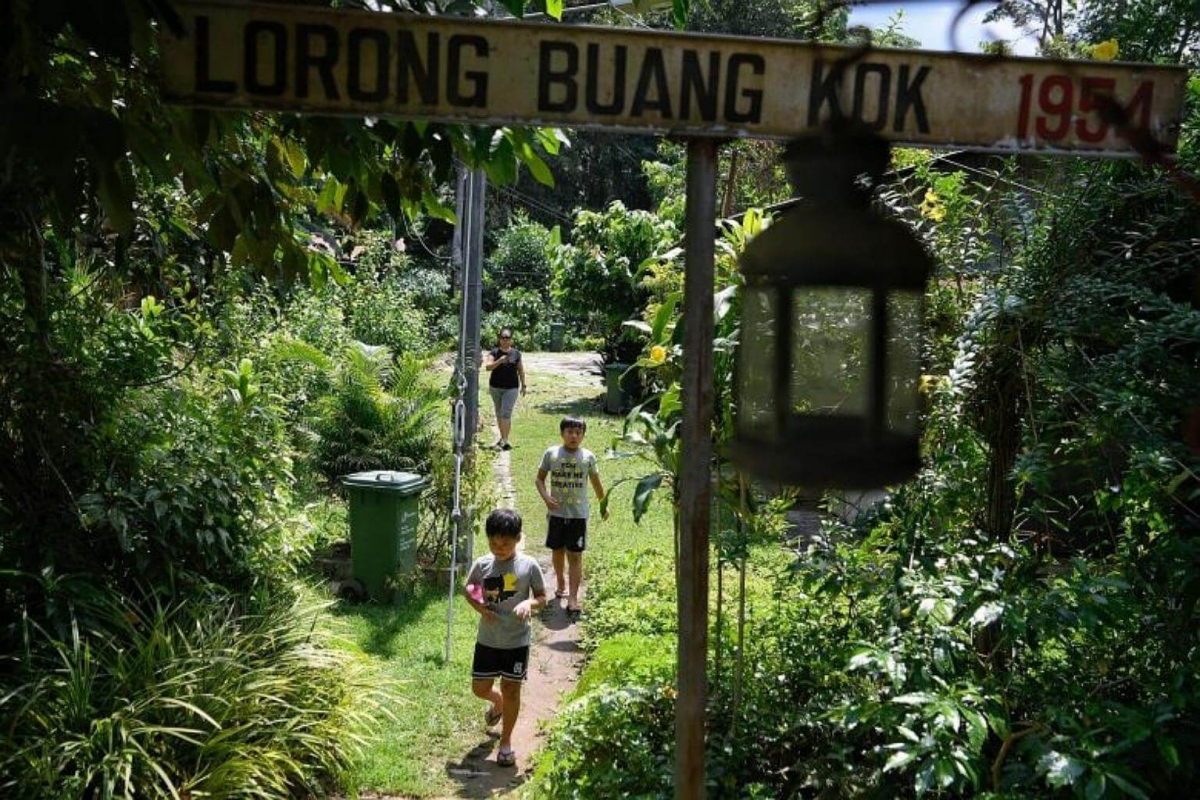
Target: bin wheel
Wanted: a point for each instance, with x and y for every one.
(351, 589)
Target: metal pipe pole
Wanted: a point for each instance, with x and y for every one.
(695, 478)
(476, 186)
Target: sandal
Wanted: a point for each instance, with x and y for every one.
(492, 716)
(506, 758)
(559, 594)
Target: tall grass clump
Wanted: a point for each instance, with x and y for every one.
(202, 698)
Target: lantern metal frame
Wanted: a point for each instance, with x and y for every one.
(832, 239)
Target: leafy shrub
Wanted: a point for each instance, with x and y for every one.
(582, 761)
(64, 407)
(626, 693)
(596, 285)
(429, 292)
(629, 659)
(381, 414)
(316, 317)
(383, 313)
(635, 594)
(375, 252)
(526, 313)
(192, 698)
(406, 309)
(197, 482)
(395, 300)
(520, 260)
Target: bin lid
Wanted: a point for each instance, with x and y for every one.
(385, 480)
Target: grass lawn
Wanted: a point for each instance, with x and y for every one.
(434, 719)
(431, 719)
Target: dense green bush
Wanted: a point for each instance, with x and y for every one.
(596, 283)
(383, 313)
(636, 594)
(526, 313)
(428, 290)
(168, 463)
(617, 741)
(406, 310)
(166, 698)
(382, 413)
(520, 260)
(197, 482)
(395, 299)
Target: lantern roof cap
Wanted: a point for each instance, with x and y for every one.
(837, 247)
(831, 164)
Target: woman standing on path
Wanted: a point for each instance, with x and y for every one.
(508, 378)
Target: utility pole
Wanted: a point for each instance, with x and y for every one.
(472, 188)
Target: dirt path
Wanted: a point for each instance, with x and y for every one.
(556, 654)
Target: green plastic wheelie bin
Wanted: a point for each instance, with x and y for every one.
(384, 511)
(616, 398)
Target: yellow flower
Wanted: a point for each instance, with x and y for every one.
(1105, 51)
(658, 354)
(932, 207)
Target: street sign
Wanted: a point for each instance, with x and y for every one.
(322, 61)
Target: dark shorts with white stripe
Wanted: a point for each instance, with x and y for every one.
(493, 662)
(569, 533)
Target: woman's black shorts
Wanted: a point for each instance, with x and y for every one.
(569, 533)
(492, 662)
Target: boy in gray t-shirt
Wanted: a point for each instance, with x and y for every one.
(505, 587)
(570, 468)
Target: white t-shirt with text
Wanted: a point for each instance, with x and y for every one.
(568, 478)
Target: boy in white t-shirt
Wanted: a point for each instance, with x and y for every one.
(570, 468)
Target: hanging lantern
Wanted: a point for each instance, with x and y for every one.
(828, 364)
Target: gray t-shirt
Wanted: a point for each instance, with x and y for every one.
(569, 475)
(506, 584)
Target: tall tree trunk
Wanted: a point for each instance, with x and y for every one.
(1003, 442)
(739, 668)
(1003, 399)
(730, 185)
(718, 633)
(740, 664)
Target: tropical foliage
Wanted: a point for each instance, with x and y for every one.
(206, 318)
(160, 448)
(162, 698)
(1017, 621)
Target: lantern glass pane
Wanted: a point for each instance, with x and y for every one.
(756, 363)
(903, 361)
(829, 350)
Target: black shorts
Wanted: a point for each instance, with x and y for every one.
(492, 662)
(569, 533)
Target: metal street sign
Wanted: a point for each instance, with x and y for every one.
(313, 60)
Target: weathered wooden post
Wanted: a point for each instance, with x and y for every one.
(695, 479)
